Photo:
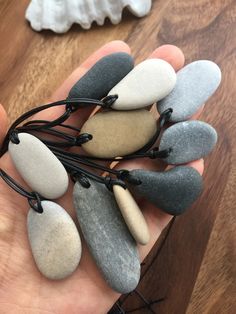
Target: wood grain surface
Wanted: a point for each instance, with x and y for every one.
(196, 270)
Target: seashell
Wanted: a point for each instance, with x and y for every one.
(59, 15)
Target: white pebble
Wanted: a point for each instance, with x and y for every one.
(147, 83)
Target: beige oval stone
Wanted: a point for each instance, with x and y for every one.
(132, 215)
(118, 133)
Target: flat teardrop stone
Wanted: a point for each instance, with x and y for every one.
(118, 133)
(105, 74)
(190, 140)
(196, 82)
(54, 240)
(132, 215)
(148, 82)
(173, 190)
(38, 166)
(108, 238)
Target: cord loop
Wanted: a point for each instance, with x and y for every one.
(127, 176)
(109, 182)
(82, 139)
(35, 202)
(109, 100)
(13, 137)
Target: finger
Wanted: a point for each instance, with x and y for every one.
(171, 54)
(198, 113)
(198, 165)
(3, 123)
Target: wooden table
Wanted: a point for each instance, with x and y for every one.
(195, 271)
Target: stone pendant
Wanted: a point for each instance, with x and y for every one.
(150, 81)
(118, 133)
(54, 241)
(105, 74)
(196, 82)
(132, 215)
(107, 236)
(173, 190)
(38, 166)
(190, 140)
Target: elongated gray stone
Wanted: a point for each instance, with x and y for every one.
(54, 240)
(148, 82)
(190, 140)
(107, 236)
(105, 74)
(196, 82)
(38, 166)
(173, 191)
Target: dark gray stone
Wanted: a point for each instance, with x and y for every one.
(173, 191)
(105, 74)
(196, 82)
(190, 140)
(107, 236)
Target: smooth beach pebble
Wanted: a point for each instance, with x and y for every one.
(108, 238)
(132, 215)
(148, 82)
(173, 191)
(38, 166)
(196, 82)
(105, 74)
(190, 140)
(54, 240)
(118, 133)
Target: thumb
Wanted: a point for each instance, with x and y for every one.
(3, 123)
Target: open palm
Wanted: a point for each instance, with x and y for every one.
(22, 288)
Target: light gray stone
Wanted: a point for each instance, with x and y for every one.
(54, 240)
(38, 166)
(173, 191)
(190, 140)
(107, 236)
(150, 81)
(196, 82)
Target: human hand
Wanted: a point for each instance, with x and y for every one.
(23, 289)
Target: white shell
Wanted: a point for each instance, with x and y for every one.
(38, 166)
(59, 15)
(54, 241)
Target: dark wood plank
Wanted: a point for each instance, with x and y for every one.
(32, 65)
